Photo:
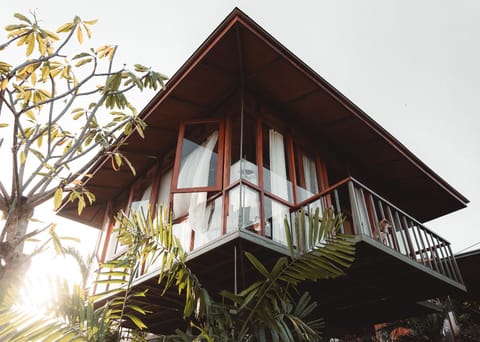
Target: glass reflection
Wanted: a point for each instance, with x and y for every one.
(275, 173)
(198, 163)
(244, 209)
(275, 214)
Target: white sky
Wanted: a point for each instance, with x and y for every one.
(413, 66)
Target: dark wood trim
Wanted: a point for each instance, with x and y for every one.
(290, 155)
(301, 171)
(220, 153)
(323, 179)
(259, 155)
(107, 231)
(178, 155)
(227, 161)
(322, 193)
(178, 152)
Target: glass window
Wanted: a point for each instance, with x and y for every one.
(182, 231)
(140, 204)
(275, 214)
(243, 209)
(198, 160)
(275, 171)
(164, 189)
(307, 179)
(212, 225)
(202, 216)
(246, 165)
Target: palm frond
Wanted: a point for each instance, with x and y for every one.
(317, 251)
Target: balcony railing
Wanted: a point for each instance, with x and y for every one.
(368, 214)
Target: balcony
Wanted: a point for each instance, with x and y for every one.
(399, 263)
(374, 219)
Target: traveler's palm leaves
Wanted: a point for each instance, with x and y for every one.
(268, 307)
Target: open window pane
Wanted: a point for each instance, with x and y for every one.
(199, 156)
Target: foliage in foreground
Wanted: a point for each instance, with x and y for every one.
(433, 327)
(59, 106)
(271, 309)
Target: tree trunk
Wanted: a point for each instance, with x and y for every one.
(12, 258)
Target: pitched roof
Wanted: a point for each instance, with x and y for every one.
(240, 51)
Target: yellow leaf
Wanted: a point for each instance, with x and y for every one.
(77, 115)
(37, 98)
(23, 157)
(51, 230)
(30, 43)
(41, 44)
(22, 40)
(4, 84)
(65, 27)
(45, 72)
(87, 29)
(81, 205)
(39, 141)
(90, 22)
(33, 78)
(3, 124)
(79, 35)
(31, 115)
(51, 35)
(57, 198)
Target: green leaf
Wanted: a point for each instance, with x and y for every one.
(137, 321)
(257, 264)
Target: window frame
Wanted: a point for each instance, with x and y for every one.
(220, 157)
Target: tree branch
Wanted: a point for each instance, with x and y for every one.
(6, 44)
(29, 235)
(4, 197)
(50, 115)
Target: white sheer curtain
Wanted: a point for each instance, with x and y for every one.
(310, 172)
(362, 212)
(311, 184)
(194, 173)
(164, 190)
(278, 181)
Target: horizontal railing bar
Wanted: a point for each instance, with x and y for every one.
(321, 194)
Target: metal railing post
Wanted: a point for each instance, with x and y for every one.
(354, 206)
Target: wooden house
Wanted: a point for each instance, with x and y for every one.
(246, 133)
